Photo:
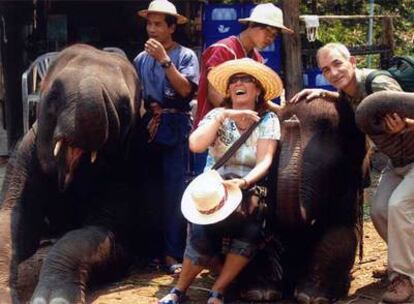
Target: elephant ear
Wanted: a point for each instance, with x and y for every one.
(370, 119)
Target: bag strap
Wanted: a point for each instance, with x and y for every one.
(236, 145)
(370, 78)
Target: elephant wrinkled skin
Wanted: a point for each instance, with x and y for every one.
(71, 177)
(370, 119)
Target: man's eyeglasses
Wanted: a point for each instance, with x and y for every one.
(242, 79)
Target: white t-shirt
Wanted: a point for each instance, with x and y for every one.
(244, 159)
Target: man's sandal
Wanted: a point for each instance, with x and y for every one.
(175, 296)
(215, 295)
(174, 269)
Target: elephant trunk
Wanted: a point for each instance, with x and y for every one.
(370, 119)
(289, 175)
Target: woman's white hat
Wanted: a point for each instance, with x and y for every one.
(269, 14)
(270, 81)
(207, 200)
(163, 7)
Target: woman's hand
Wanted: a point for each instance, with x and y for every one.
(394, 123)
(309, 94)
(239, 182)
(250, 203)
(241, 115)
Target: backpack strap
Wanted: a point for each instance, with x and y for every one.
(370, 78)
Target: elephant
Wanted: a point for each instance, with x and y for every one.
(73, 178)
(369, 117)
(314, 206)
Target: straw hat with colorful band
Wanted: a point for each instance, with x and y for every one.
(270, 81)
(267, 14)
(207, 200)
(163, 7)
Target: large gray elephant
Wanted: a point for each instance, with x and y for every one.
(315, 205)
(71, 177)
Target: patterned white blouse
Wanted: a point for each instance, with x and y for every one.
(244, 159)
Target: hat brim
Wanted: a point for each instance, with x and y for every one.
(180, 18)
(284, 29)
(190, 212)
(270, 81)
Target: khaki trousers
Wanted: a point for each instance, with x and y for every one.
(392, 213)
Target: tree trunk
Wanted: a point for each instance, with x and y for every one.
(292, 60)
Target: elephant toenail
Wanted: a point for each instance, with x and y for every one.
(321, 300)
(303, 298)
(272, 295)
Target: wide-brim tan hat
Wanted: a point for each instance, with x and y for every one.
(207, 200)
(163, 7)
(270, 81)
(267, 14)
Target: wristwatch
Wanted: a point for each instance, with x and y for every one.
(166, 64)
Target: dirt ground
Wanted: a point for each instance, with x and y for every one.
(146, 287)
(368, 275)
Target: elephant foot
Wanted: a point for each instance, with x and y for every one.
(61, 292)
(52, 301)
(261, 294)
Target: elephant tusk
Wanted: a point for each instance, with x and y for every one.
(57, 148)
(93, 156)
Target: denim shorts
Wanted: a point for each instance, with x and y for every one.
(240, 236)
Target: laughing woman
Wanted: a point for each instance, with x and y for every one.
(221, 235)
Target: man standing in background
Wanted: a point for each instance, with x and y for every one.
(263, 26)
(169, 74)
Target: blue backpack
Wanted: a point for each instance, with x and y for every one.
(402, 71)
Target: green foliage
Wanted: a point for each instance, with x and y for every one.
(355, 32)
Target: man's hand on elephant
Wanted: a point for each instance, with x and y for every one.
(7, 296)
(394, 123)
(156, 50)
(309, 94)
(409, 123)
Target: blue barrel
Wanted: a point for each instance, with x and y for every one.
(313, 78)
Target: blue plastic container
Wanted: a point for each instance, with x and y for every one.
(221, 21)
(247, 8)
(222, 12)
(221, 29)
(313, 78)
(210, 40)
